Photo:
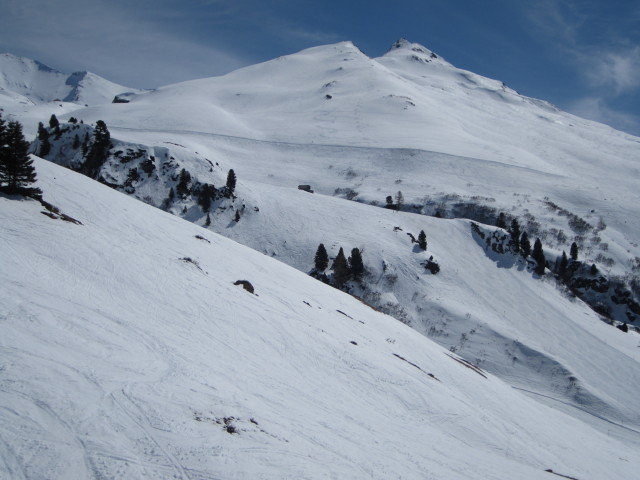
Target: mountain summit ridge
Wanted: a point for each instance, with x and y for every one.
(39, 83)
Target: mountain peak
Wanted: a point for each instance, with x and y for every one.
(416, 51)
(33, 80)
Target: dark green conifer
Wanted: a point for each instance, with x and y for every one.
(231, 183)
(43, 138)
(183, 188)
(422, 240)
(356, 266)
(538, 256)
(525, 245)
(515, 235)
(574, 251)
(321, 260)
(340, 270)
(98, 152)
(17, 172)
(564, 263)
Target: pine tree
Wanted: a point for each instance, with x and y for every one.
(85, 145)
(207, 222)
(76, 142)
(237, 217)
(399, 200)
(525, 245)
(515, 235)
(564, 263)
(574, 251)
(43, 137)
(321, 260)
(422, 240)
(231, 183)
(97, 154)
(501, 221)
(183, 187)
(356, 266)
(16, 167)
(538, 256)
(53, 122)
(389, 201)
(340, 269)
(206, 193)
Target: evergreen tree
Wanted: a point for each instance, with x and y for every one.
(231, 183)
(206, 193)
(422, 240)
(43, 137)
(207, 222)
(85, 145)
(594, 269)
(53, 122)
(399, 200)
(356, 266)
(525, 245)
(538, 256)
(515, 235)
(183, 187)
(340, 270)
(389, 201)
(97, 154)
(237, 217)
(17, 172)
(574, 251)
(321, 260)
(501, 221)
(564, 263)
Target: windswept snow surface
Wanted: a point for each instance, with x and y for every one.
(120, 358)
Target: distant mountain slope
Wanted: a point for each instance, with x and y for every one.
(128, 352)
(495, 142)
(26, 79)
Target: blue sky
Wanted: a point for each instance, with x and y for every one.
(582, 55)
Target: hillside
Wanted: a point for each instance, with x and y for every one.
(506, 320)
(128, 352)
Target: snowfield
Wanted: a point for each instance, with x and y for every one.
(120, 358)
(128, 352)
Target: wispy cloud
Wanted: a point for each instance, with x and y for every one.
(618, 70)
(607, 61)
(594, 108)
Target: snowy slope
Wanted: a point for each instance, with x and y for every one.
(282, 131)
(121, 359)
(31, 81)
(437, 129)
(445, 137)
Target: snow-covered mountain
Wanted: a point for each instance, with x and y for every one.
(128, 352)
(26, 81)
(457, 145)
